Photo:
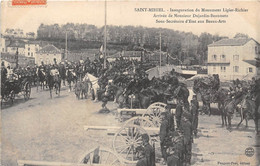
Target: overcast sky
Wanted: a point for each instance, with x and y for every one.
(123, 13)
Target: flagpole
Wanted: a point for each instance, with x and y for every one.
(66, 46)
(160, 55)
(105, 35)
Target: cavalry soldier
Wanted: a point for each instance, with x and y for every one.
(187, 132)
(195, 114)
(163, 135)
(148, 153)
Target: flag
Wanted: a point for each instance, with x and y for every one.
(101, 49)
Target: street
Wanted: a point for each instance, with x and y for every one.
(45, 129)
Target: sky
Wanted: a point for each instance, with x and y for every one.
(123, 13)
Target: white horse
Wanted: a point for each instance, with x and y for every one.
(93, 84)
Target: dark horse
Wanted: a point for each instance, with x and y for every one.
(54, 81)
(182, 92)
(247, 111)
(221, 97)
(71, 77)
(41, 78)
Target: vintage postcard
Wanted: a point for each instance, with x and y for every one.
(131, 83)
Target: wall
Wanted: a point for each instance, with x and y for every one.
(31, 49)
(12, 50)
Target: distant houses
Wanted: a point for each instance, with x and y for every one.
(47, 55)
(234, 58)
(16, 45)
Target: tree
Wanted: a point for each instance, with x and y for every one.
(241, 35)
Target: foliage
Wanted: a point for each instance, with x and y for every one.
(180, 45)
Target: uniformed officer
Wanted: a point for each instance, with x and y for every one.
(187, 132)
(195, 114)
(175, 151)
(163, 135)
(170, 118)
(148, 151)
(178, 113)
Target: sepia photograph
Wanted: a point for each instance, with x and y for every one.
(130, 83)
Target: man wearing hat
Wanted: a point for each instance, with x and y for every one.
(148, 153)
(195, 114)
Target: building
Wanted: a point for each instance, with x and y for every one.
(132, 55)
(31, 47)
(234, 58)
(47, 55)
(10, 59)
(5, 41)
(14, 46)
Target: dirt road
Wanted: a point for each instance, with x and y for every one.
(47, 129)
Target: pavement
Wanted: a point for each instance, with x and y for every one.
(45, 129)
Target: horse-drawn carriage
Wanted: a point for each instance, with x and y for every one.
(11, 87)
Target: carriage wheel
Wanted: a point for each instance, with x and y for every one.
(163, 105)
(100, 155)
(126, 140)
(27, 91)
(153, 113)
(140, 121)
(11, 97)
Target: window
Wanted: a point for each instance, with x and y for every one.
(214, 57)
(250, 70)
(28, 48)
(31, 54)
(236, 69)
(28, 54)
(256, 50)
(236, 57)
(223, 58)
(223, 69)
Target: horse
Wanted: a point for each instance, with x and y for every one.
(71, 77)
(182, 92)
(247, 111)
(54, 81)
(221, 98)
(41, 78)
(81, 89)
(93, 85)
(230, 107)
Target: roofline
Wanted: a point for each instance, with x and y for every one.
(211, 45)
